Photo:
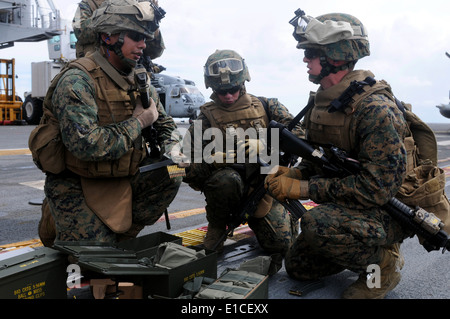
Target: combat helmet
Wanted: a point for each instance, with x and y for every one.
(225, 69)
(337, 36)
(139, 20)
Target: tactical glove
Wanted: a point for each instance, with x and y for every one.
(283, 187)
(178, 157)
(146, 117)
(252, 147)
(285, 171)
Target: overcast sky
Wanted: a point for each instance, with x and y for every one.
(408, 44)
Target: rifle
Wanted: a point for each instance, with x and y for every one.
(248, 208)
(149, 133)
(417, 220)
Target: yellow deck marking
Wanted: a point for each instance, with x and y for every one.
(19, 151)
(189, 237)
(185, 213)
(21, 244)
(446, 170)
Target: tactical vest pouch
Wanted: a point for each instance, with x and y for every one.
(127, 165)
(423, 136)
(411, 153)
(425, 187)
(245, 113)
(46, 146)
(111, 200)
(118, 168)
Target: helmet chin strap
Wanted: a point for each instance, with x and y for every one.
(117, 49)
(328, 68)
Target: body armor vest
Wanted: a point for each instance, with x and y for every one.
(337, 128)
(114, 105)
(424, 184)
(247, 112)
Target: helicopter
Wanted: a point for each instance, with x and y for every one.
(444, 109)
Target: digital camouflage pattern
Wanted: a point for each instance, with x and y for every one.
(224, 189)
(74, 104)
(152, 194)
(199, 172)
(215, 82)
(115, 16)
(344, 50)
(334, 238)
(87, 37)
(349, 227)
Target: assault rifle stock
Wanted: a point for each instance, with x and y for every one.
(421, 222)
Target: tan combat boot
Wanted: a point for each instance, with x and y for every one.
(391, 263)
(214, 238)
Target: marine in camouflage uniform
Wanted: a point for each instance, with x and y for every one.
(101, 128)
(349, 229)
(87, 37)
(226, 185)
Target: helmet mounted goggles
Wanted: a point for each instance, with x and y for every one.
(230, 65)
(309, 30)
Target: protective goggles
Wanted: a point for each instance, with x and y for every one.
(233, 66)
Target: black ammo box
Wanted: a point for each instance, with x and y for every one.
(139, 247)
(125, 263)
(40, 274)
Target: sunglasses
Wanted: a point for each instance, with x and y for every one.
(232, 90)
(136, 36)
(312, 53)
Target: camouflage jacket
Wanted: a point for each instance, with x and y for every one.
(376, 128)
(74, 105)
(199, 172)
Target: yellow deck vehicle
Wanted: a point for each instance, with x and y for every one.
(10, 103)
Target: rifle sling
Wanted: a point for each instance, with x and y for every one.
(111, 71)
(300, 115)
